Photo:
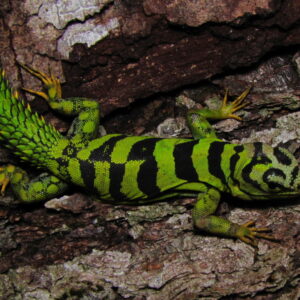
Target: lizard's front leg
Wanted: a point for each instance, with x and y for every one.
(86, 111)
(197, 119)
(204, 219)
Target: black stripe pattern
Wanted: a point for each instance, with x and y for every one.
(116, 171)
(234, 160)
(214, 160)
(184, 166)
(258, 158)
(271, 174)
(282, 157)
(103, 153)
(116, 174)
(87, 170)
(295, 173)
(147, 174)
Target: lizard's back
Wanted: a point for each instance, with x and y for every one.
(124, 168)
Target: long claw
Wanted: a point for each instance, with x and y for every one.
(266, 236)
(41, 94)
(51, 83)
(249, 234)
(42, 76)
(249, 223)
(239, 107)
(5, 182)
(242, 96)
(228, 110)
(225, 99)
(249, 241)
(232, 116)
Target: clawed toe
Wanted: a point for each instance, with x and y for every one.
(51, 83)
(228, 110)
(249, 234)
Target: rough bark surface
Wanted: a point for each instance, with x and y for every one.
(147, 61)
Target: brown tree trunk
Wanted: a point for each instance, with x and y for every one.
(147, 61)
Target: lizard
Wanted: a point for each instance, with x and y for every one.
(141, 169)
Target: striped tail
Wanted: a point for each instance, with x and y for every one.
(24, 132)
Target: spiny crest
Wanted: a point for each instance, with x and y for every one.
(22, 131)
(12, 106)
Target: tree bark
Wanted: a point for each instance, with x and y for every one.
(147, 61)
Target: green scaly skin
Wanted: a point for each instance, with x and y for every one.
(134, 169)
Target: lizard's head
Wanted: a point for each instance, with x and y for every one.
(263, 172)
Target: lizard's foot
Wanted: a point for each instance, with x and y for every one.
(248, 234)
(51, 83)
(5, 172)
(228, 110)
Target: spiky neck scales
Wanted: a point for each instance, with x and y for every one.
(22, 131)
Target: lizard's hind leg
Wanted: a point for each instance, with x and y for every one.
(41, 188)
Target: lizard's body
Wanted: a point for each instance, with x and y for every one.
(138, 169)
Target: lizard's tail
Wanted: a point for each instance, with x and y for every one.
(24, 132)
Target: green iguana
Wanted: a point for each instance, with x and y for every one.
(140, 169)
